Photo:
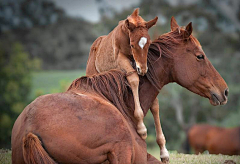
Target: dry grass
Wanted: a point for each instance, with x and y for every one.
(178, 158)
(5, 156)
(175, 158)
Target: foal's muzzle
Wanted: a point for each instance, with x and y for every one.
(141, 71)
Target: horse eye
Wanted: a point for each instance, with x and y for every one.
(200, 57)
(132, 46)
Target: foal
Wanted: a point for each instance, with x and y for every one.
(130, 39)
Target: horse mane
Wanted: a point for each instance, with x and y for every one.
(112, 86)
(163, 47)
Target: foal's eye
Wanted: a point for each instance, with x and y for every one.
(200, 56)
(132, 46)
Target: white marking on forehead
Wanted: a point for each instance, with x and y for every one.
(142, 42)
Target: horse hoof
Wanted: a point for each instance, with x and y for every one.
(164, 155)
(144, 136)
(165, 160)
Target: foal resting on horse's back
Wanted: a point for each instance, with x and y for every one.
(93, 122)
(130, 39)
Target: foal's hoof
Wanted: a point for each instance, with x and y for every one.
(143, 133)
(164, 155)
(165, 160)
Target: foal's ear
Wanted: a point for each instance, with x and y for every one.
(188, 30)
(135, 12)
(174, 24)
(152, 22)
(129, 25)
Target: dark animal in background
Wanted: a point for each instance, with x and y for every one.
(217, 140)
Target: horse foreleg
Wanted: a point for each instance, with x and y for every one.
(133, 80)
(160, 138)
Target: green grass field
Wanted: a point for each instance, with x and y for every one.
(51, 81)
(175, 158)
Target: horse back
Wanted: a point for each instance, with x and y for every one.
(91, 68)
(105, 50)
(224, 141)
(197, 136)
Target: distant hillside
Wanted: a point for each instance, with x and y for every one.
(46, 32)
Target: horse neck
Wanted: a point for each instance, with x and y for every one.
(150, 87)
(123, 28)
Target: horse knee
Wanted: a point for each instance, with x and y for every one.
(138, 114)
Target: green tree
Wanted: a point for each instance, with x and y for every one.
(15, 85)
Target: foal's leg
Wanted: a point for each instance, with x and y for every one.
(133, 80)
(164, 155)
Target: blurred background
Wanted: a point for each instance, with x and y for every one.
(44, 46)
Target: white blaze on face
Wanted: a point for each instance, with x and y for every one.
(142, 42)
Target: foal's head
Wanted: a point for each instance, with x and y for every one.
(139, 39)
(191, 67)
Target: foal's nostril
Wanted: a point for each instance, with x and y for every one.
(226, 92)
(138, 70)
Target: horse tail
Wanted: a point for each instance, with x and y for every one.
(33, 151)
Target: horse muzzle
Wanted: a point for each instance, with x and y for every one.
(219, 99)
(141, 72)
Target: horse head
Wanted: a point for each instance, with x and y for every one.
(139, 39)
(191, 67)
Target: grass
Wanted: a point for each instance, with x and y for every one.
(5, 156)
(175, 158)
(46, 82)
(179, 158)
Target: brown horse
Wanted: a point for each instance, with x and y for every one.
(129, 39)
(194, 49)
(216, 140)
(93, 122)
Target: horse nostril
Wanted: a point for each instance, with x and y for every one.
(138, 70)
(226, 92)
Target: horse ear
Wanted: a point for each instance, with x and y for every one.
(152, 22)
(135, 12)
(174, 24)
(188, 30)
(129, 25)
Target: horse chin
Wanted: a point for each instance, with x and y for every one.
(141, 74)
(217, 100)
